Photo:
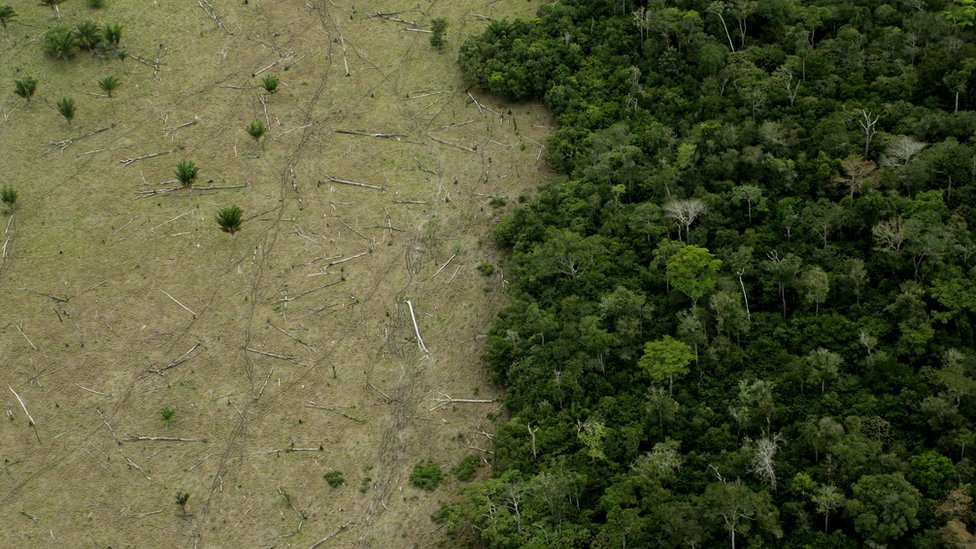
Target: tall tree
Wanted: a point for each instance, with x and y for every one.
(693, 271)
(666, 358)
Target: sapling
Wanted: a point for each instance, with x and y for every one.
(66, 107)
(186, 172)
(25, 87)
(229, 219)
(270, 83)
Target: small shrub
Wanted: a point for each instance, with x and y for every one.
(88, 35)
(108, 84)
(465, 468)
(112, 34)
(167, 414)
(186, 172)
(9, 197)
(364, 485)
(426, 475)
(270, 83)
(438, 27)
(256, 130)
(486, 269)
(335, 478)
(498, 202)
(66, 107)
(25, 87)
(230, 219)
(6, 14)
(181, 499)
(60, 42)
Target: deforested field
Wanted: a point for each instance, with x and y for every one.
(145, 353)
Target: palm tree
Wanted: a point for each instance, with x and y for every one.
(270, 83)
(186, 172)
(66, 107)
(60, 42)
(112, 34)
(54, 6)
(9, 197)
(256, 130)
(25, 87)
(108, 84)
(88, 35)
(229, 219)
(6, 14)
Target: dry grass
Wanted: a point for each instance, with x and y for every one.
(89, 319)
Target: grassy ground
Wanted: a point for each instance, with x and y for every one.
(295, 362)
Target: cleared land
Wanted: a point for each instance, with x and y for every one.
(288, 347)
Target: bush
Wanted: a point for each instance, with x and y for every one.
(108, 84)
(465, 468)
(186, 172)
(66, 107)
(438, 28)
(256, 130)
(6, 14)
(9, 197)
(60, 42)
(112, 35)
(25, 87)
(270, 83)
(335, 478)
(230, 219)
(167, 414)
(486, 269)
(88, 35)
(426, 475)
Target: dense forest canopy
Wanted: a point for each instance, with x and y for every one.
(743, 316)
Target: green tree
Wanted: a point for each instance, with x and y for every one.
(25, 87)
(88, 35)
(883, 507)
(6, 14)
(752, 195)
(270, 83)
(739, 510)
(108, 84)
(256, 130)
(783, 271)
(815, 284)
(426, 475)
(8, 196)
(666, 358)
(438, 28)
(693, 271)
(828, 499)
(933, 473)
(60, 42)
(186, 172)
(824, 366)
(112, 33)
(181, 499)
(230, 219)
(66, 107)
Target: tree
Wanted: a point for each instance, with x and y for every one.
(740, 509)
(186, 172)
(9, 197)
(666, 358)
(858, 174)
(181, 499)
(868, 127)
(752, 195)
(270, 83)
(230, 219)
(763, 465)
(693, 271)
(718, 8)
(60, 42)
(6, 14)
(816, 285)
(883, 507)
(438, 28)
(25, 87)
(88, 35)
(685, 212)
(108, 84)
(783, 270)
(824, 366)
(112, 33)
(66, 107)
(256, 130)
(857, 275)
(828, 499)
(901, 150)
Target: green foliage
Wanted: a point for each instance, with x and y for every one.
(181, 499)
(426, 475)
(7, 13)
(486, 269)
(666, 358)
(230, 219)
(270, 83)
(466, 468)
(66, 107)
(25, 87)
(108, 84)
(883, 507)
(334, 478)
(88, 35)
(8, 196)
(186, 172)
(95, 4)
(256, 130)
(167, 414)
(693, 271)
(112, 35)
(438, 28)
(60, 42)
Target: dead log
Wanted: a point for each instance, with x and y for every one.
(141, 438)
(354, 183)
